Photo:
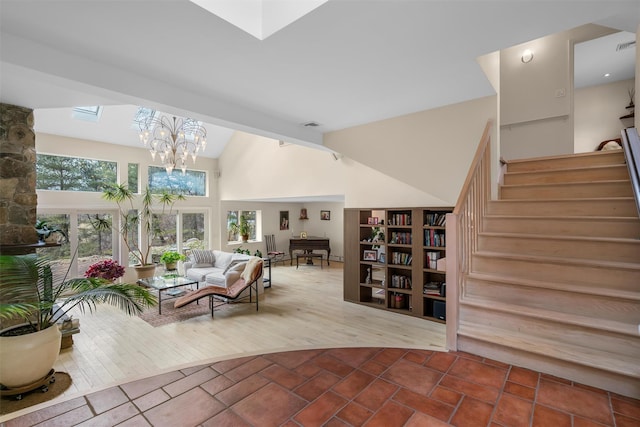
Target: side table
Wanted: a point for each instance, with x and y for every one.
(266, 280)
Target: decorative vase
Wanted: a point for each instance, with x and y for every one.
(145, 271)
(170, 266)
(28, 358)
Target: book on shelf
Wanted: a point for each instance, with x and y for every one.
(400, 219)
(432, 288)
(436, 219)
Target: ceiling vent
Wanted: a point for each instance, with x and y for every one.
(627, 45)
(311, 124)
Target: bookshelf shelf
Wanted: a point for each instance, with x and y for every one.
(408, 243)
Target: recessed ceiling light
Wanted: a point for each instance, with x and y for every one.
(607, 75)
(311, 124)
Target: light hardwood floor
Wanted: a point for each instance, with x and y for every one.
(303, 309)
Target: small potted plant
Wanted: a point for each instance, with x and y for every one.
(106, 269)
(170, 259)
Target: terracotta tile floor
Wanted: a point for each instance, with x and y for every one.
(346, 387)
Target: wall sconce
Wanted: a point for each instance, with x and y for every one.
(527, 56)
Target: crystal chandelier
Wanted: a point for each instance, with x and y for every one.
(173, 140)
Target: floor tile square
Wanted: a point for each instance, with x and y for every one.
(136, 389)
(247, 369)
(292, 359)
(441, 361)
(480, 392)
(226, 418)
(353, 384)
(472, 413)
(424, 404)
(577, 401)
(544, 416)
(445, 395)
(317, 385)
(353, 356)
(242, 389)
(390, 415)
(524, 376)
(374, 396)
(285, 377)
(354, 414)
(107, 399)
(332, 364)
(199, 405)
(414, 377)
(477, 372)
(270, 406)
(389, 356)
(321, 410)
(513, 412)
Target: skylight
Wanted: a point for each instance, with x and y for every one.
(89, 114)
(143, 115)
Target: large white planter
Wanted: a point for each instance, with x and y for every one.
(26, 359)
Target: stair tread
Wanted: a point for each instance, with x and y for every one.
(580, 168)
(621, 364)
(561, 260)
(563, 237)
(543, 200)
(569, 217)
(570, 183)
(568, 287)
(609, 153)
(553, 316)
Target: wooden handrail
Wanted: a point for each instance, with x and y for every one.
(484, 142)
(631, 145)
(463, 226)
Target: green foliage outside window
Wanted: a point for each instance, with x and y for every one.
(73, 173)
(192, 183)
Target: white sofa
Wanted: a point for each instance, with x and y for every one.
(213, 267)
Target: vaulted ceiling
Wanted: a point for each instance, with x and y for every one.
(346, 63)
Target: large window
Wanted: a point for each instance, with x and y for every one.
(192, 183)
(73, 173)
(235, 221)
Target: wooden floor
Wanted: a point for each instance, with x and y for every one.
(302, 310)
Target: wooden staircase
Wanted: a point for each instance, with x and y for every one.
(553, 281)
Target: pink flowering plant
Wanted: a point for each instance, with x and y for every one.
(105, 269)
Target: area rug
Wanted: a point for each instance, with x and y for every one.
(9, 404)
(171, 314)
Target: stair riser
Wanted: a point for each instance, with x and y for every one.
(603, 207)
(571, 303)
(595, 377)
(619, 228)
(567, 191)
(561, 333)
(597, 159)
(627, 251)
(622, 279)
(608, 173)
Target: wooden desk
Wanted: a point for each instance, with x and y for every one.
(309, 245)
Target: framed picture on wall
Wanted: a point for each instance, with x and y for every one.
(325, 215)
(284, 220)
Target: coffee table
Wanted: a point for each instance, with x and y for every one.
(168, 284)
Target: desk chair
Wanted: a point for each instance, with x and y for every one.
(272, 253)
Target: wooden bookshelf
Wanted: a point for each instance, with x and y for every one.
(391, 255)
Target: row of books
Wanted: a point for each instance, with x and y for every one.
(435, 219)
(401, 238)
(401, 258)
(400, 219)
(433, 237)
(431, 259)
(400, 281)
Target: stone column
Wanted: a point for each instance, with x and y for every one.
(18, 198)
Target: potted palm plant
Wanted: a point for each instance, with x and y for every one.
(34, 297)
(131, 219)
(170, 259)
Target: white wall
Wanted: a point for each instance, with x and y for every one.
(429, 152)
(597, 113)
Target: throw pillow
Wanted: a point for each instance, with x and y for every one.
(231, 277)
(202, 258)
(235, 265)
(223, 259)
